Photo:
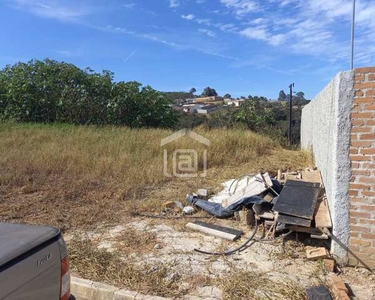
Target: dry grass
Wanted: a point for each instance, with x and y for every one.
(77, 176)
(109, 267)
(131, 240)
(243, 285)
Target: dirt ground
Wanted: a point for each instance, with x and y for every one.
(202, 276)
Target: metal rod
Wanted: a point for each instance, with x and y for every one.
(290, 114)
(353, 31)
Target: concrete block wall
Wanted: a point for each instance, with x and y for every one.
(362, 157)
(326, 131)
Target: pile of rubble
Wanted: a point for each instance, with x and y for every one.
(292, 202)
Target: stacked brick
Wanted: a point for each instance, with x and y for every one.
(362, 157)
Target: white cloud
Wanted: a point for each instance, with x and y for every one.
(63, 11)
(188, 17)
(70, 53)
(210, 33)
(174, 3)
(241, 7)
(129, 5)
(130, 56)
(201, 1)
(261, 33)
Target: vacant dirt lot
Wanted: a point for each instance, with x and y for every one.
(93, 182)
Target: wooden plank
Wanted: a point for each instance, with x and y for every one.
(310, 230)
(293, 220)
(255, 187)
(298, 199)
(216, 230)
(322, 216)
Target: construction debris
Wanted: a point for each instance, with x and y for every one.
(246, 217)
(338, 288)
(329, 264)
(316, 253)
(188, 210)
(216, 230)
(298, 199)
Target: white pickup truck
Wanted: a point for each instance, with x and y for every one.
(34, 263)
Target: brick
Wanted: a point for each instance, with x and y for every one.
(359, 122)
(368, 166)
(368, 151)
(370, 122)
(353, 193)
(364, 100)
(370, 236)
(354, 137)
(367, 221)
(368, 193)
(368, 207)
(360, 214)
(370, 77)
(361, 129)
(360, 144)
(367, 136)
(361, 172)
(360, 242)
(354, 234)
(364, 85)
(360, 229)
(364, 70)
(353, 151)
(370, 93)
(359, 200)
(368, 250)
(359, 186)
(369, 107)
(329, 264)
(367, 180)
(362, 115)
(360, 158)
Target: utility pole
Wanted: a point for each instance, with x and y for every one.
(290, 114)
(353, 30)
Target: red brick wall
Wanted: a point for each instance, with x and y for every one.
(362, 156)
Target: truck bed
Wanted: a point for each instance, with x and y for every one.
(16, 240)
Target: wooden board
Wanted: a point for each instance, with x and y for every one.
(255, 187)
(294, 220)
(310, 230)
(298, 199)
(322, 216)
(216, 230)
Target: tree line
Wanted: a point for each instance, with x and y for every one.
(49, 91)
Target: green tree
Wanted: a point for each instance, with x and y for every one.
(227, 96)
(209, 92)
(282, 96)
(50, 91)
(193, 91)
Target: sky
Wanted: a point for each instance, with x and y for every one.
(240, 47)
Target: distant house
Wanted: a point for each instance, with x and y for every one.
(234, 102)
(238, 102)
(208, 99)
(191, 108)
(190, 100)
(207, 109)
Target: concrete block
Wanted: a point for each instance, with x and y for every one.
(88, 290)
(129, 295)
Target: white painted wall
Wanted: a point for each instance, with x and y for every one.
(325, 129)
